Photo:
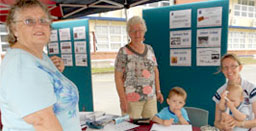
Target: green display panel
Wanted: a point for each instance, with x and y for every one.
(70, 40)
(198, 79)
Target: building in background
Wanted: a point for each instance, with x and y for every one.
(242, 26)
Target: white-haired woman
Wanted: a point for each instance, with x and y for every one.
(136, 74)
(34, 95)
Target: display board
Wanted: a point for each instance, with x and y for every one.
(70, 41)
(189, 41)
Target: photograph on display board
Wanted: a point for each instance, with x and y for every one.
(180, 39)
(180, 19)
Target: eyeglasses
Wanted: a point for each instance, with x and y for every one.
(32, 22)
(232, 67)
(137, 31)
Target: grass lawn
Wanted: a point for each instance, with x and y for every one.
(102, 70)
(244, 60)
(248, 60)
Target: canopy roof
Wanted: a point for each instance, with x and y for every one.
(64, 9)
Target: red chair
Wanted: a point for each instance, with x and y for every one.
(1, 126)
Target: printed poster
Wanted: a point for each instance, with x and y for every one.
(80, 46)
(180, 39)
(53, 48)
(208, 56)
(79, 32)
(54, 35)
(209, 37)
(207, 17)
(66, 47)
(67, 59)
(180, 19)
(81, 59)
(180, 57)
(64, 34)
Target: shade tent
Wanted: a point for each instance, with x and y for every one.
(65, 9)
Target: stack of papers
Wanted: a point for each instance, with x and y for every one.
(157, 127)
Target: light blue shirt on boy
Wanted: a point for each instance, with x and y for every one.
(167, 114)
(28, 85)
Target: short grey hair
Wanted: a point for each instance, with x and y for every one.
(14, 11)
(135, 20)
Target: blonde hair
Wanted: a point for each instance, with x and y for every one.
(178, 91)
(235, 87)
(14, 11)
(231, 56)
(135, 20)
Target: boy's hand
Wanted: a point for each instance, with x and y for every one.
(168, 122)
(177, 112)
(230, 104)
(223, 95)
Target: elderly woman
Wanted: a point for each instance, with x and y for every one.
(34, 95)
(231, 67)
(136, 74)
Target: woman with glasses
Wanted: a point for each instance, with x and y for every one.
(231, 67)
(136, 74)
(34, 95)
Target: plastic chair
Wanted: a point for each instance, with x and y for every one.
(198, 117)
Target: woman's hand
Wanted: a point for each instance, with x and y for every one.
(58, 62)
(227, 121)
(124, 105)
(159, 97)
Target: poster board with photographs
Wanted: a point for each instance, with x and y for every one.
(69, 40)
(188, 49)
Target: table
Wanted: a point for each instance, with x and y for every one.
(148, 127)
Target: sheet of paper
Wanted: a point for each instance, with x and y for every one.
(180, 19)
(180, 57)
(79, 32)
(67, 59)
(157, 127)
(54, 35)
(209, 37)
(208, 57)
(53, 48)
(81, 59)
(180, 39)
(66, 47)
(64, 34)
(207, 17)
(80, 46)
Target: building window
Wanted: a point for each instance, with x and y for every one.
(110, 38)
(245, 9)
(242, 41)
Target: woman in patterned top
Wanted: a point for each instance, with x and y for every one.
(136, 74)
(34, 94)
